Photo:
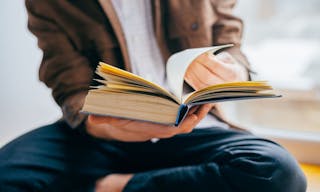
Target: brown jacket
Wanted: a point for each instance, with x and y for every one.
(75, 35)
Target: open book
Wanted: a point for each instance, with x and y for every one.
(126, 95)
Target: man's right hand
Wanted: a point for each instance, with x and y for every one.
(111, 128)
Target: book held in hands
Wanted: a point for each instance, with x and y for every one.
(126, 95)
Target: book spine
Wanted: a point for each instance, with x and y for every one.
(182, 113)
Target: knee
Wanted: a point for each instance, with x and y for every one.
(11, 177)
(18, 168)
(7, 175)
(287, 174)
(266, 168)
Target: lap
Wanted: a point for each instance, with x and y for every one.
(207, 145)
(54, 154)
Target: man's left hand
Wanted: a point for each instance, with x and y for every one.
(208, 69)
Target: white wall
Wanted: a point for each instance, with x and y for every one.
(25, 103)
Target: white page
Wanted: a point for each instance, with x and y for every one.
(178, 63)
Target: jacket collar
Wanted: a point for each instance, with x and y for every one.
(116, 25)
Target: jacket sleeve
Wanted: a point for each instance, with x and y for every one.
(63, 68)
(228, 29)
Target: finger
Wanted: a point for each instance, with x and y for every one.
(200, 114)
(193, 109)
(192, 120)
(188, 123)
(216, 66)
(203, 111)
(192, 75)
(207, 77)
(199, 76)
(186, 128)
(151, 130)
(237, 68)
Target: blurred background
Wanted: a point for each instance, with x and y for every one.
(281, 39)
(282, 42)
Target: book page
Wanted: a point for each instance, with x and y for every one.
(247, 86)
(178, 63)
(119, 73)
(231, 90)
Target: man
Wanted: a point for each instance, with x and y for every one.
(80, 153)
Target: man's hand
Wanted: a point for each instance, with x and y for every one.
(204, 71)
(208, 69)
(113, 183)
(112, 128)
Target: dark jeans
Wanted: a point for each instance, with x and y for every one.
(56, 158)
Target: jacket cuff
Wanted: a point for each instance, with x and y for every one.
(71, 108)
